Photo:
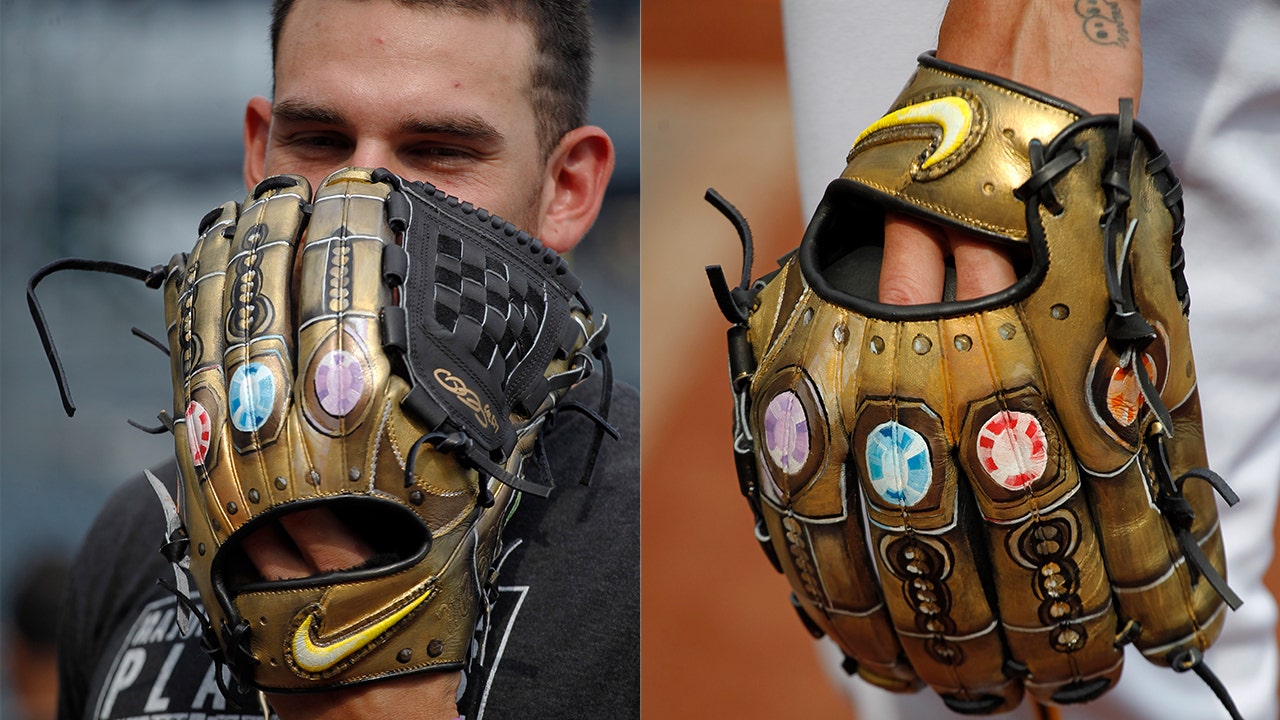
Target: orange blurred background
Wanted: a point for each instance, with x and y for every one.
(718, 636)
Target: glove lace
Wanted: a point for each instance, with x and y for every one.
(209, 643)
(1192, 659)
(736, 306)
(735, 303)
(1174, 506)
(153, 278)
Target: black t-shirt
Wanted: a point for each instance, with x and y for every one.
(564, 641)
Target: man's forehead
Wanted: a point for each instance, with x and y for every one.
(399, 65)
(398, 17)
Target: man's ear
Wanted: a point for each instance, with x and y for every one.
(257, 130)
(578, 172)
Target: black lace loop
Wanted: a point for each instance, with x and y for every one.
(239, 657)
(1180, 516)
(1044, 171)
(735, 303)
(592, 415)
(1152, 396)
(160, 429)
(176, 546)
(1215, 481)
(1159, 166)
(1126, 326)
(594, 352)
(138, 333)
(1127, 634)
(541, 460)
(601, 420)
(1192, 659)
(1116, 179)
(208, 641)
(153, 278)
(463, 448)
(166, 424)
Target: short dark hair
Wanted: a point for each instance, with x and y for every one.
(560, 79)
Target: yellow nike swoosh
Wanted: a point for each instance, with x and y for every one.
(315, 655)
(954, 115)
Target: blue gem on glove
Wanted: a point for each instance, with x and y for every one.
(252, 395)
(898, 463)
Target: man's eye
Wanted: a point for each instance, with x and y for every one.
(318, 142)
(442, 152)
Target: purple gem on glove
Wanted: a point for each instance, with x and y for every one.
(339, 382)
(786, 431)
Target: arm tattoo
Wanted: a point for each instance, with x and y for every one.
(1103, 22)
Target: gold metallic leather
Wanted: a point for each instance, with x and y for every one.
(288, 293)
(969, 582)
(973, 186)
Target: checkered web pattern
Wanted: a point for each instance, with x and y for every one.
(491, 312)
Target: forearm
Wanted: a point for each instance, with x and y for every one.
(1088, 52)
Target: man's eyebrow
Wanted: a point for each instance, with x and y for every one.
(471, 127)
(302, 111)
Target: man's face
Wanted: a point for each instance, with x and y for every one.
(427, 94)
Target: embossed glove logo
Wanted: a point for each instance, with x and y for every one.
(955, 121)
(455, 385)
(315, 654)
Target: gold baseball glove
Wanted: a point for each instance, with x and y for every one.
(380, 350)
(995, 495)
